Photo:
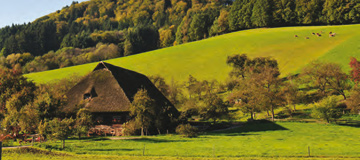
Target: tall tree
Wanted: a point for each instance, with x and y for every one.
(272, 83)
(353, 103)
(327, 109)
(355, 70)
(58, 129)
(143, 109)
(261, 16)
(284, 12)
(261, 75)
(292, 94)
(16, 97)
(248, 97)
(83, 122)
(141, 39)
(198, 28)
(240, 14)
(213, 106)
(326, 78)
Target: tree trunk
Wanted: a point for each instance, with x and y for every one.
(268, 112)
(343, 94)
(272, 113)
(142, 131)
(79, 136)
(63, 144)
(252, 115)
(294, 107)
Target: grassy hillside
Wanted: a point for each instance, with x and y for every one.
(280, 139)
(206, 59)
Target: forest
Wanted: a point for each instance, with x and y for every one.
(104, 29)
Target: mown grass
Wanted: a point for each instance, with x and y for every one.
(206, 59)
(39, 154)
(266, 139)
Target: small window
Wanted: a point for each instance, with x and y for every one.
(116, 119)
(87, 96)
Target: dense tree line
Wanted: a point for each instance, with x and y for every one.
(143, 25)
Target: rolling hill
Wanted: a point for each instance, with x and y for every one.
(206, 59)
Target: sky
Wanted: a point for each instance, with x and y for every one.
(20, 11)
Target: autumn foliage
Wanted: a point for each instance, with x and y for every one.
(355, 69)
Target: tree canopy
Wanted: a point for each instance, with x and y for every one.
(131, 27)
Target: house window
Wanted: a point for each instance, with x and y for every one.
(87, 96)
(116, 119)
(91, 94)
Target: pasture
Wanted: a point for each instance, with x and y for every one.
(38, 154)
(282, 140)
(206, 59)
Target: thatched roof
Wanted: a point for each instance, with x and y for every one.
(109, 88)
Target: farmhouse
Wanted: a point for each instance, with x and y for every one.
(108, 92)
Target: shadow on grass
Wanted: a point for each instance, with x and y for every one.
(255, 126)
(155, 140)
(119, 149)
(238, 134)
(351, 123)
(89, 138)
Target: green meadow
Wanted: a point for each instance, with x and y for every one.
(290, 138)
(206, 59)
(282, 140)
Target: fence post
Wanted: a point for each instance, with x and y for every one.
(0, 149)
(213, 150)
(32, 141)
(143, 151)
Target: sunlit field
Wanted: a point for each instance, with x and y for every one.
(206, 59)
(260, 139)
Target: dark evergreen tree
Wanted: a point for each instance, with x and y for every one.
(261, 14)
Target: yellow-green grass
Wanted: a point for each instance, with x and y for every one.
(263, 140)
(206, 59)
(21, 154)
(31, 156)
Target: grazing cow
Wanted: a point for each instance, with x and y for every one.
(306, 37)
(296, 36)
(332, 35)
(330, 32)
(313, 33)
(318, 34)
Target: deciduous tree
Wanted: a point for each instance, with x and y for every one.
(143, 109)
(83, 121)
(327, 109)
(58, 129)
(326, 78)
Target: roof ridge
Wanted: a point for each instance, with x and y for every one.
(103, 63)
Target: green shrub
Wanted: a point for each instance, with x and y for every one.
(327, 109)
(130, 129)
(186, 130)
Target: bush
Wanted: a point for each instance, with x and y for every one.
(327, 109)
(186, 130)
(130, 129)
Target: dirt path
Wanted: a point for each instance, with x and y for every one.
(16, 147)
